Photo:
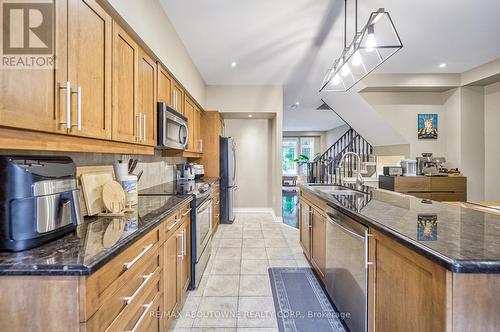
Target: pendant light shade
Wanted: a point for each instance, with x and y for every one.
(372, 46)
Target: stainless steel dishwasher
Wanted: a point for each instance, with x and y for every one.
(346, 268)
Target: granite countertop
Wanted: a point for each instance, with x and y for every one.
(94, 243)
(461, 239)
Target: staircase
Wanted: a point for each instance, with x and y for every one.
(324, 168)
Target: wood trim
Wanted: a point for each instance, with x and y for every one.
(181, 153)
(18, 139)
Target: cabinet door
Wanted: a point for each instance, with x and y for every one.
(170, 282)
(189, 112)
(185, 259)
(165, 84)
(147, 98)
(125, 120)
(197, 130)
(178, 98)
(89, 68)
(36, 98)
(305, 228)
(318, 241)
(407, 292)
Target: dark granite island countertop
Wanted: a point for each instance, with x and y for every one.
(463, 240)
(94, 243)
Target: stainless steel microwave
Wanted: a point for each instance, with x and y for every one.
(173, 129)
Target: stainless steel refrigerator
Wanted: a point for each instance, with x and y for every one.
(227, 179)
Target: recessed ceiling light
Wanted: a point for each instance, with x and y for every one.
(250, 115)
(442, 65)
(233, 64)
(297, 103)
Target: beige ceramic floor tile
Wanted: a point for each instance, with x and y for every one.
(253, 253)
(255, 285)
(282, 263)
(226, 266)
(228, 253)
(253, 243)
(222, 285)
(254, 266)
(230, 243)
(278, 253)
(217, 312)
(275, 243)
(252, 234)
(256, 312)
(272, 234)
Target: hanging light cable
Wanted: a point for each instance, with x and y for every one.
(377, 41)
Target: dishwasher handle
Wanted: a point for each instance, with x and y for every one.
(332, 220)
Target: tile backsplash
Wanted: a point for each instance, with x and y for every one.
(157, 169)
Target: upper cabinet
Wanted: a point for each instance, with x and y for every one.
(126, 120)
(165, 86)
(89, 68)
(147, 99)
(178, 98)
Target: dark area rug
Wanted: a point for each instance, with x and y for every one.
(301, 302)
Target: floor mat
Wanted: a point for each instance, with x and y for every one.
(301, 303)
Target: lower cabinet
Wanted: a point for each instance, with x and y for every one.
(215, 207)
(312, 235)
(407, 292)
(176, 267)
(141, 289)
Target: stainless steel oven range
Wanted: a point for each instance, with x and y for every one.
(201, 220)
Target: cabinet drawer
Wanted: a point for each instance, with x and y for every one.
(172, 225)
(100, 286)
(126, 295)
(136, 316)
(449, 184)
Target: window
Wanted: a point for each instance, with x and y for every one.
(306, 149)
(289, 154)
(293, 147)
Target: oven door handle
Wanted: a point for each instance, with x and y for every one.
(183, 139)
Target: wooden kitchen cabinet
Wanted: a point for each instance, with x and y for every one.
(165, 85)
(147, 99)
(170, 276)
(89, 68)
(305, 228)
(406, 291)
(189, 113)
(198, 141)
(215, 206)
(211, 131)
(178, 101)
(125, 86)
(318, 241)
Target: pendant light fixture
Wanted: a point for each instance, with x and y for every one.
(377, 41)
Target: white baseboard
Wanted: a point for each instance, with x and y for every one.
(258, 210)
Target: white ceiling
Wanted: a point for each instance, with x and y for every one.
(293, 42)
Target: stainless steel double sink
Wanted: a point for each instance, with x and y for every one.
(334, 189)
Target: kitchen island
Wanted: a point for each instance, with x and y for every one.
(111, 273)
(430, 266)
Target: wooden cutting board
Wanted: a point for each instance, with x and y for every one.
(91, 169)
(113, 197)
(92, 184)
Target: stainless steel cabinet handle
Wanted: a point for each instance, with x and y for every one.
(173, 225)
(185, 213)
(78, 108)
(143, 316)
(142, 253)
(131, 298)
(367, 262)
(68, 104)
(144, 128)
(181, 254)
(184, 236)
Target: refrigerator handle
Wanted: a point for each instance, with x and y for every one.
(234, 162)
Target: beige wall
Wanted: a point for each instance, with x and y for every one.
(401, 110)
(253, 138)
(492, 142)
(255, 99)
(332, 135)
(149, 21)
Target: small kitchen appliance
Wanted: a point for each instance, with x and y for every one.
(409, 167)
(393, 171)
(199, 171)
(185, 172)
(430, 166)
(173, 129)
(39, 200)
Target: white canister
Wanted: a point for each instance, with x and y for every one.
(121, 169)
(129, 184)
